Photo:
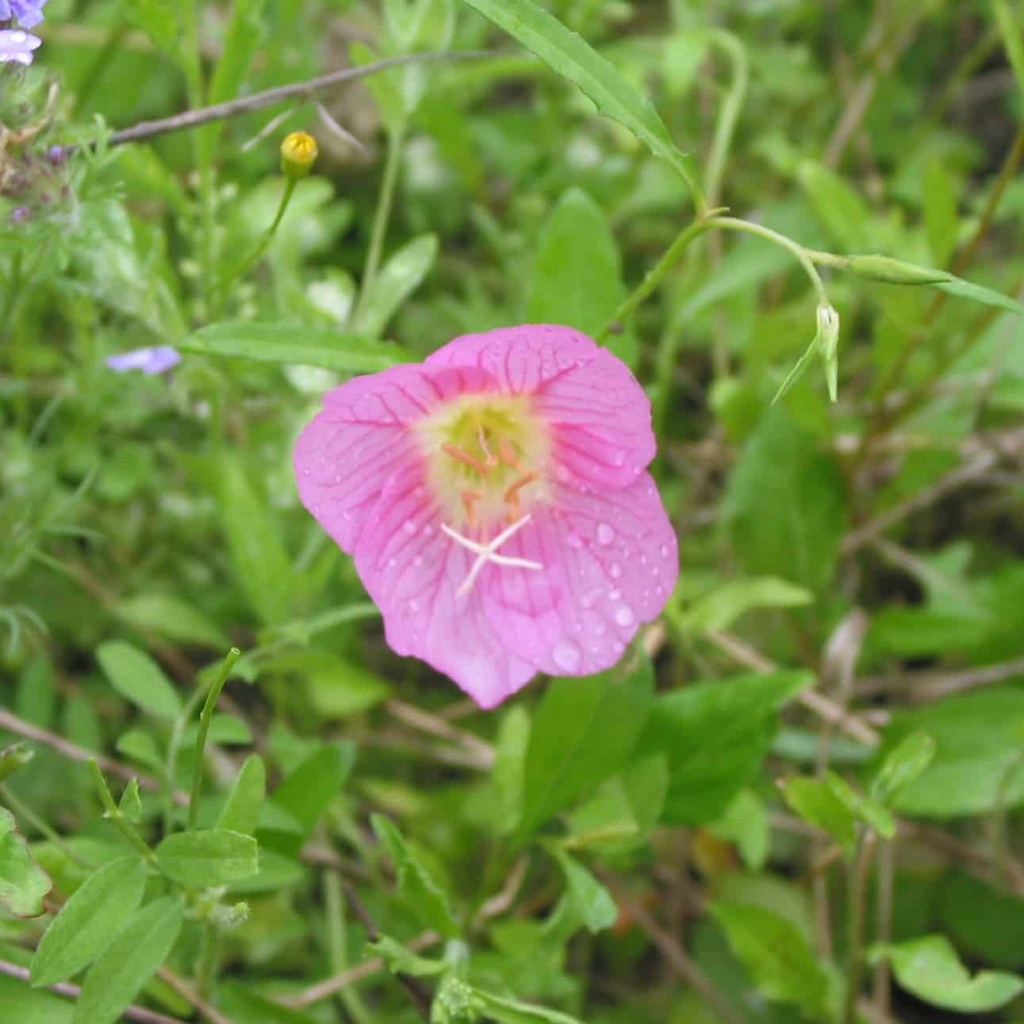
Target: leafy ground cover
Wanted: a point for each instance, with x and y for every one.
(795, 795)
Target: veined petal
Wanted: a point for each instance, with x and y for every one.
(610, 563)
(413, 572)
(361, 437)
(596, 411)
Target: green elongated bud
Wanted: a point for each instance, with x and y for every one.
(884, 268)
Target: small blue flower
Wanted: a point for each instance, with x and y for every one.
(152, 361)
(16, 45)
(26, 12)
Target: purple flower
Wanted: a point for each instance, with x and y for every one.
(20, 214)
(26, 12)
(16, 45)
(150, 361)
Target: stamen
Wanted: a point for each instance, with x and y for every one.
(489, 458)
(488, 553)
(468, 500)
(509, 457)
(467, 460)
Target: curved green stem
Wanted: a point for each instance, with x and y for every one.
(733, 49)
(206, 715)
(380, 220)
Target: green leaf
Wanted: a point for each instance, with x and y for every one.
(785, 505)
(577, 272)
(259, 558)
(777, 955)
(572, 57)
(207, 858)
(511, 1011)
(400, 276)
(172, 618)
(979, 293)
(745, 823)
(400, 960)
(23, 884)
(839, 208)
(307, 791)
(930, 969)
(902, 766)
(244, 1006)
(90, 920)
(592, 904)
(714, 735)
(294, 344)
(1013, 39)
(130, 804)
(867, 810)
(416, 884)
(158, 20)
(25, 1005)
(241, 41)
(124, 967)
(720, 608)
(979, 738)
(14, 758)
(583, 732)
(139, 679)
(241, 810)
(815, 802)
(940, 214)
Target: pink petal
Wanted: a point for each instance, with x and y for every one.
(413, 572)
(598, 413)
(347, 452)
(610, 563)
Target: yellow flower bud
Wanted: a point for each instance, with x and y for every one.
(298, 154)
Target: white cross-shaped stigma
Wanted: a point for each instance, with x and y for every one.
(489, 553)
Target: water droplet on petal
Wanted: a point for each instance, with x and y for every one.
(605, 534)
(566, 655)
(414, 606)
(619, 458)
(409, 526)
(614, 595)
(391, 563)
(427, 530)
(624, 616)
(664, 550)
(615, 570)
(563, 474)
(417, 561)
(600, 628)
(574, 540)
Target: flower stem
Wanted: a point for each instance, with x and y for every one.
(334, 905)
(261, 246)
(380, 219)
(731, 107)
(205, 716)
(857, 900)
(208, 960)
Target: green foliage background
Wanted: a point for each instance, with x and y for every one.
(798, 798)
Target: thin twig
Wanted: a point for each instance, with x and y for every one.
(73, 752)
(921, 687)
(280, 94)
(138, 1014)
(331, 986)
(814, 701)
(883, 924)
(482, 751)
(211, 1013)
(418, 995)
(675, 956)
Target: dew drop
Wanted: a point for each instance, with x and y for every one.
(414, 606)
(574, 540)
(563, 474)
(664, 550)
(619, 458)
(614, 595)
(600, 628)
(624, 616)
(391, 563)
(605, 534)
(643, 559)
(615, 571)
(428, 530)
(417, 561)
(566, 655)
(409, 526)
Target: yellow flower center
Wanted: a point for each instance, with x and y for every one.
(486, 455)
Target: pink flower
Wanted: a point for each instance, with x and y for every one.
(497, 504)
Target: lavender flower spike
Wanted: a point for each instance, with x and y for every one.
(16, 45)
(26, 12)
(150, 361)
